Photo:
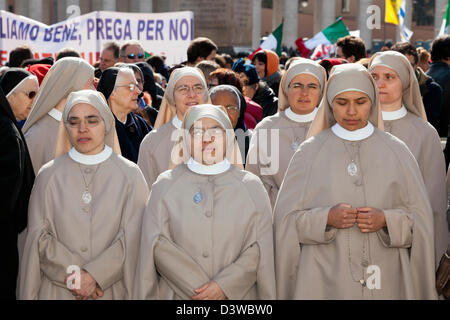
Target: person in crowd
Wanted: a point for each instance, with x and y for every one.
(352, 219)
(200, 49)
(67, 52)
(404, 117)
(328, 64)
(350, 48)
(228, 60)
(186, 88)
(132, 51)
(276, 138)
(227, 256)
(424, 59)
(266, 63)
(158, 65)
(121, 90)
(85, 211)
(39, 70)
(65, 76)
(207, 66)
(18, 55)
(47, 60)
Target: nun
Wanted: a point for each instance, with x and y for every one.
(17, 178)
(186, 88)
(42, 125)
(121, 90)
(85, 211)
(352, 219)
(404, 116)
(234, 103)
(20, 88)
(276, 138)
(201, 239)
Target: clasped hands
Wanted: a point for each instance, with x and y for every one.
(88, 287)
(368, 219)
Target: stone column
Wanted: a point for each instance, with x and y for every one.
(290, 26)
(104, 5)
(365, 32)
(35, 10)
(439, 11)
(3, 5)
(324, 14)
(277, 13)
(141, 6)
(256, 30)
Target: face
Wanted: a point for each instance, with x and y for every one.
(352, 109)
(208, 141)
(189, 91)
(248, 90)
(126, 92)
(411, 60)
(139, 80)
(86, 129)
(107, 59)
(390, 87)
(90, 84)
(260, 68)
(134, 54)
(304, 93)
(22, 98)
(229, 101)
(424, 66)
(212, 55)
(213, 81)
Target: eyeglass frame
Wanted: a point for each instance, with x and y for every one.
(183, 86)
(85, 121)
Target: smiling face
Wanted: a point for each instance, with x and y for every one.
(23, 97)
(260, 68)
(122, 97)
(303, 93)
(189, 91)
(389, 85)
(86, 129)
(229, 101)
(207, 141)
(352, 109)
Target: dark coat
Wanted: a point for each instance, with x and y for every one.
(131, 134)
(267, 99)
(440, 72)
(431, 93)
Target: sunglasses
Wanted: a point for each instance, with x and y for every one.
(134, 56)
(30, 94)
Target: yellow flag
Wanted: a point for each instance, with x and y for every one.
(392, 7)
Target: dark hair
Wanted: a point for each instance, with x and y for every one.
(227, 76)
(18, 55)
(67, 52)
(406, 48)
(207, 67)
(440, 48)
(200, 47)
(114, 47)
(262, 57)
(352, 46)
(220, 61)
(155, 61)
(228, 58)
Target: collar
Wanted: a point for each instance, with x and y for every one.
(90, 160)
(394, 115)
(214, 169)
(356, 135)
(301, 117)
(177, 122)
(55, 114)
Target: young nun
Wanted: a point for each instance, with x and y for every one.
(85, 211)
(20, 88)
(186, 88)
(121, 90)
(41, 128)
(276, 138)
(201, 239)
(404, 116)
(352, 219)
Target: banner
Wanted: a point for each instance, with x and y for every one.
(168, 34)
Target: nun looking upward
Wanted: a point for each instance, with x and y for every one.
(276, 138)
(201, 238)
(404, 116)
(186, 88)
(85, 211)
(121, 90)
(42, 125)
(337, 222)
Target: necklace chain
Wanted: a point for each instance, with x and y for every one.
(86, 185)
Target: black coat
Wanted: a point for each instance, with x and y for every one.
(431, 93)
(16, 182)
(267, 99)
(440, 72)
(130, 135)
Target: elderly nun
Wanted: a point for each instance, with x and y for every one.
(186, 88)
(85, 211)
(42, 125)
(352, 218)
(404, 116)
(201, 239)
(276, 138)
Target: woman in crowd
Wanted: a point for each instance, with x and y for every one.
(266, 63)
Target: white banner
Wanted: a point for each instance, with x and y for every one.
(167, 34)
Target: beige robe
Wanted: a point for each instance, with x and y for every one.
(41, 141)
(102, 237)
(226, 237)
(155, 152)
(316, 261)
(291, 135)
(425, 144)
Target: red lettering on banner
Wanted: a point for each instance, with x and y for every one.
(3, 57)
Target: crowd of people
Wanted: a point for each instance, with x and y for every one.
(225, 177)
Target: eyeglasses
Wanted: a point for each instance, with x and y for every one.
(300, 87)
(213, 132)
(134, 56)
(30, 94)
(232, 109)
(131, 86)
(90, 122)
(184, 89)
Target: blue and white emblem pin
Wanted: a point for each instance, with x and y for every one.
(198, 197)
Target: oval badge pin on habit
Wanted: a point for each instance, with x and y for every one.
(198, 197)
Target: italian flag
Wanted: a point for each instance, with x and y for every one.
(444, 26)
(273, 42)
(329, 35)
